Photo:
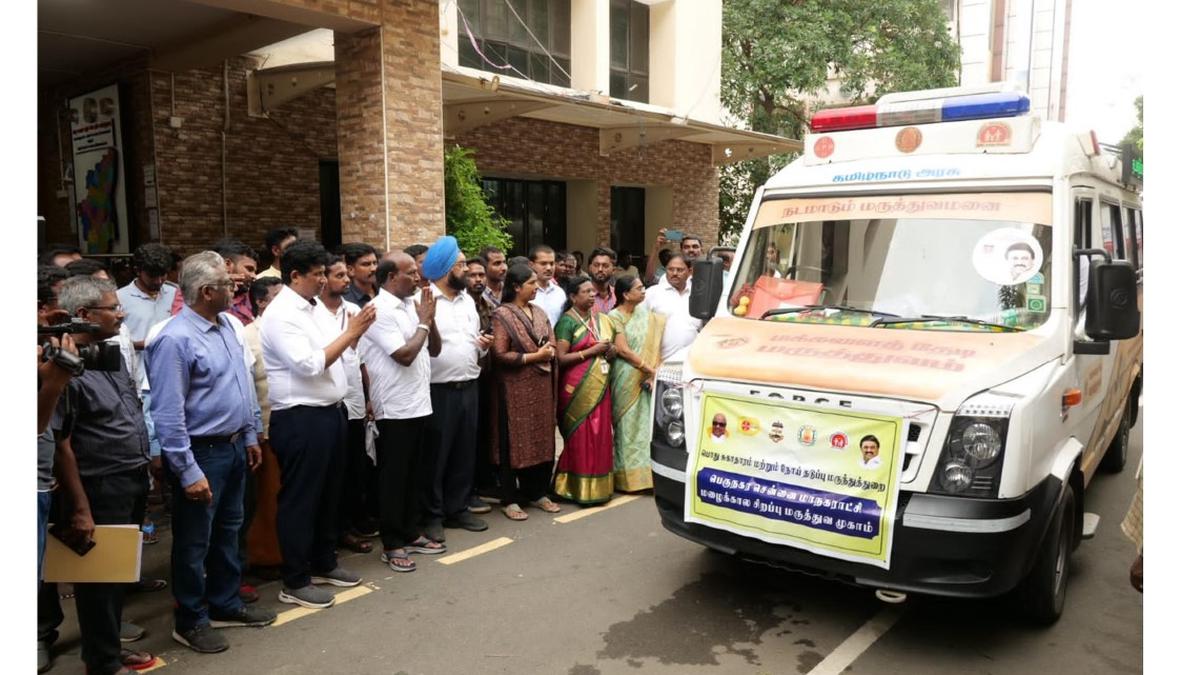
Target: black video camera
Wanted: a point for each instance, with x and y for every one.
(104, 356)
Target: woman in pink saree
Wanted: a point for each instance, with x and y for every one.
(585, 344)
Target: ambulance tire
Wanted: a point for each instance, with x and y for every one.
(1041, 596)
(1118, 450)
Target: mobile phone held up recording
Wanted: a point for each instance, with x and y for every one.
(674, 235)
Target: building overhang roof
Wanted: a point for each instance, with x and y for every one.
(474, 99)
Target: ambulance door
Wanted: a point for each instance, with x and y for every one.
(1089, 368)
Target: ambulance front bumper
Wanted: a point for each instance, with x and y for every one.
(941, 545)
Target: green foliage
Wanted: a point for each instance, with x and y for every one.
(779, 54)
(1135, 134)
(468, 215)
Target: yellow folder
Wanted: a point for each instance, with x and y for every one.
(116, 558)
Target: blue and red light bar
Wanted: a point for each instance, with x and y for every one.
(924, 111)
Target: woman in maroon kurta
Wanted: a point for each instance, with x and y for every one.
(523, 413)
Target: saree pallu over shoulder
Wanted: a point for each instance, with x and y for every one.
(632, 406)
(584, 384)
(584, 472)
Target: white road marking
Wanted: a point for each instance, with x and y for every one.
(584, 513)
(858, 642)
(474, 551)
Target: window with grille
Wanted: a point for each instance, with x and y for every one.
(629, 56)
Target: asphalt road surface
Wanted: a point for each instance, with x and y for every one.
(608, 590)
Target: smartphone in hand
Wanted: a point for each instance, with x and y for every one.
(674, 235)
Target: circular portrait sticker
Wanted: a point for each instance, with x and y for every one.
(1007, 257)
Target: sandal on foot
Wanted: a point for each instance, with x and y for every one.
(398, 560)
(136, 660)
(514, 512)
(546, 504)
(149, 585)
(352, 543)
(426, 545)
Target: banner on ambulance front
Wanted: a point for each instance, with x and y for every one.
(810, 478)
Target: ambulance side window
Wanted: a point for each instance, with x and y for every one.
(1114, 217)
(1131, 237)
(1083, 239)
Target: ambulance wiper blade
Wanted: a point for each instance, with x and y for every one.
(930, 318)
(814, 308)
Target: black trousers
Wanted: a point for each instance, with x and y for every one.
(398, 450)
(115, 499)
(310, 443)
(486, 479)
(360, 485)
(448, 463)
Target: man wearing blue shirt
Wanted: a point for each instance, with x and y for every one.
(202, 407)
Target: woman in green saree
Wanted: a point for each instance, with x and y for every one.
(584, 340)
(638, 340)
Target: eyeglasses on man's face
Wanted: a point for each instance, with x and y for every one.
(107, 308)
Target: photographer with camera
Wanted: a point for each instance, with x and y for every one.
(101, 460)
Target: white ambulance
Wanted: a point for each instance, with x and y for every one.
(929, 345)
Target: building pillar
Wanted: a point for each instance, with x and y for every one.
(389, 118)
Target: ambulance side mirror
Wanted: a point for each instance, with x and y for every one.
(707, 285)
(1112, 301)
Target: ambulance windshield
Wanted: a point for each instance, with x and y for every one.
(977, 261)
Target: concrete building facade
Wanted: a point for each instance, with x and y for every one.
(332, 116)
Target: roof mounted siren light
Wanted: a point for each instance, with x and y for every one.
(1000, 99)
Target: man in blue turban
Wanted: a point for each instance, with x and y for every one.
(448, 463)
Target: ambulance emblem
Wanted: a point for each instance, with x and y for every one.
(908, 139)
(993, 134)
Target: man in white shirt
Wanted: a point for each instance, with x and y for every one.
(356, 476)
(671, 299)
(306, 383)
(448, 465)
(549, 296)
(397, 350)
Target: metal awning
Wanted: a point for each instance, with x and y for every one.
(472, 99)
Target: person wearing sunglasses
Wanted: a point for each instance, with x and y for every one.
(719, 426)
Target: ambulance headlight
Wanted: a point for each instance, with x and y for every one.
(668, 405)
(957, 477)
(672, 403)
(981, 443)
(973, 454)
(675, 433)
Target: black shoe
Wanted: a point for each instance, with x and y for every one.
(435, 531)
(466, 521)
(203, 639)
(478, 506)
(246, 616)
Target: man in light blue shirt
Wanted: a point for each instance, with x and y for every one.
(202, 406)
(147, 299)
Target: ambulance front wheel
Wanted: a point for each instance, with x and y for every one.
(1042, 595)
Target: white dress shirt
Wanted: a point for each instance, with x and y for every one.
(458, 325)
(293, 344)
(551, 299)
(681, 329)
(336, 323)
(397, 392)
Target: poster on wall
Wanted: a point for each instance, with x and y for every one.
(101, 216)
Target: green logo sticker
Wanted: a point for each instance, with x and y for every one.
(1036, 303)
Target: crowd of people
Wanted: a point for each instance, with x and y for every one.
(329, 399)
